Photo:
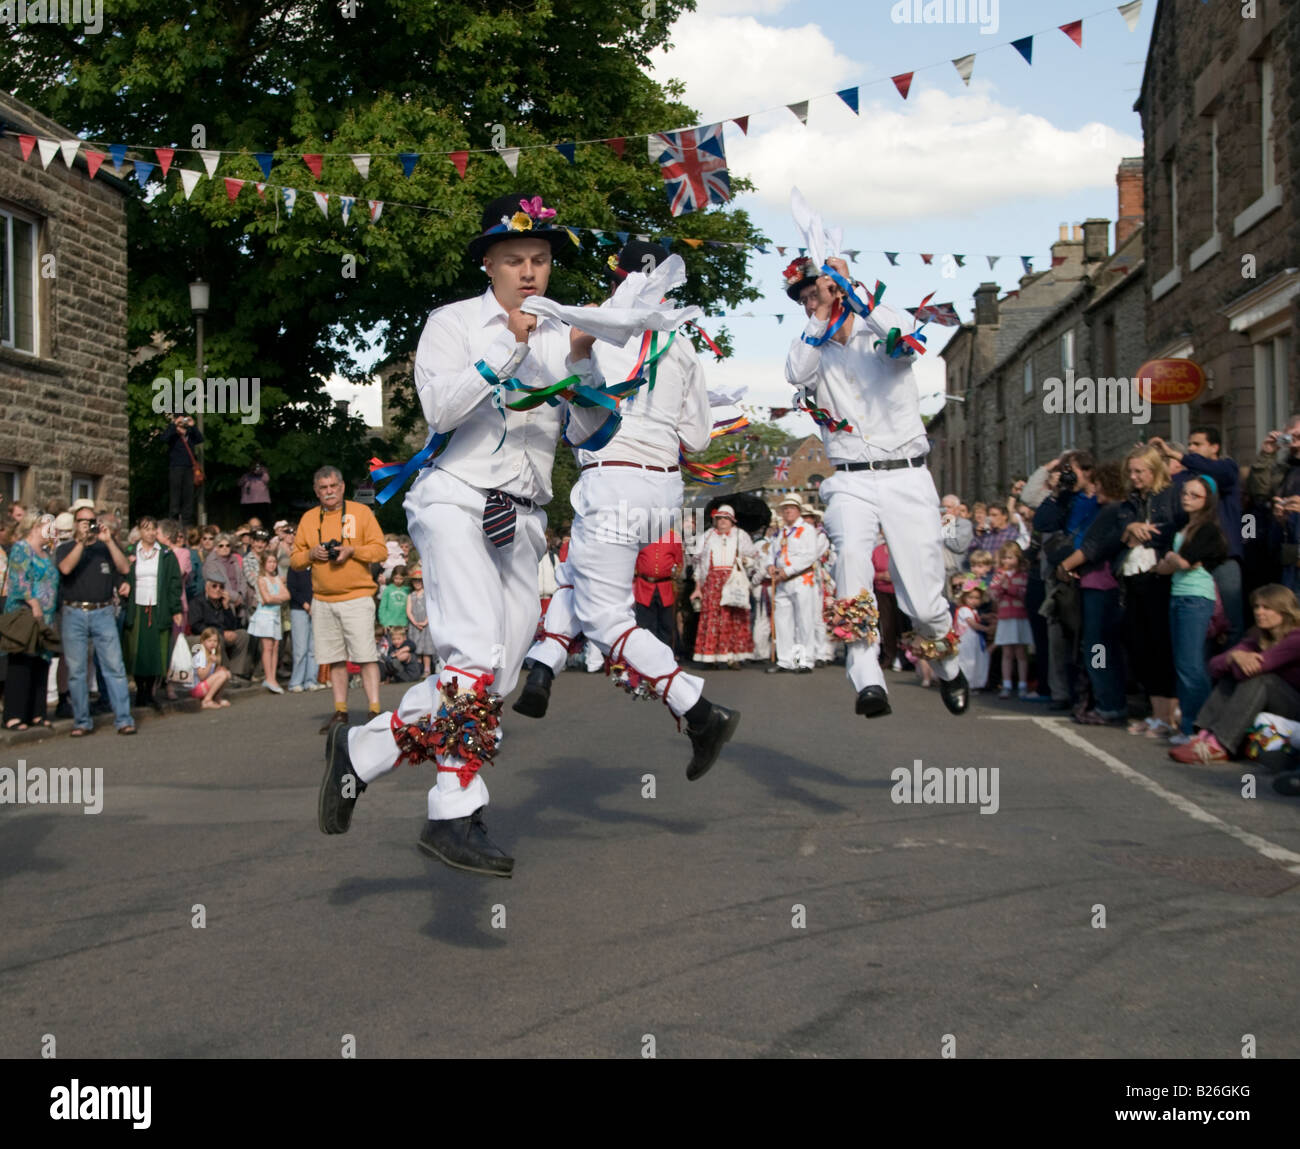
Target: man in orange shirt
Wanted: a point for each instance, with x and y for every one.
(339, 540)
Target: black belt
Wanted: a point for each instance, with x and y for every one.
(887, 465)
(527, 504)
(88, 605)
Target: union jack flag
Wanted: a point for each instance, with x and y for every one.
(943, 314)
(782, 470)
(694, 166)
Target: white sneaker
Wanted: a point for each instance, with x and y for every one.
(273, 687)
(317, 686)
(1179, 739)
(296, 689)
(1005, 692)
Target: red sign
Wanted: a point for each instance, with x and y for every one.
(1171, 380)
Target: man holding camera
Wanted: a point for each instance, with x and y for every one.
(181, 437)
(90, 566)
(339, 540)
(1275, 483)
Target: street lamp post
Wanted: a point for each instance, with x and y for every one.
(199, 292)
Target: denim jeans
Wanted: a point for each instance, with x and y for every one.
(1227, 577)
(304, 652)
(1189, 622)
(1103, 651)
(79, 628)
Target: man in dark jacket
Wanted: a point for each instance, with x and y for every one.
(181, 438)
(214, 609)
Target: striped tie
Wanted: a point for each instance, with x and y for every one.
(499, 519)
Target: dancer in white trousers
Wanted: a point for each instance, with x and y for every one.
(475, 516)
(629, 494)
(797, 601)
(858, 372)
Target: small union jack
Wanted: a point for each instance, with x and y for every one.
(694, 166)
(782, 470)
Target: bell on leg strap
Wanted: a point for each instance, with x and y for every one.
(632, 680)
(464, 728)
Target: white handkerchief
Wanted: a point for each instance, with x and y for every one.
(727, 396)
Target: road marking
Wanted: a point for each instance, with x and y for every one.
(1289, 860)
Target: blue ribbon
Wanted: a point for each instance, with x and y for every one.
(401, 472)
(895, 347)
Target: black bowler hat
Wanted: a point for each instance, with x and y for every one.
(638, 255)
(520, 217)
(800, 272)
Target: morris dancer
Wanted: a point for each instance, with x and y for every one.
(860, 370)
(627, 495)
(476, 519)
(797, 600)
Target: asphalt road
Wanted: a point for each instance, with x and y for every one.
(782, 906)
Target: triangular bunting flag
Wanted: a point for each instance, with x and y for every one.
(142, 171)
(800, 110)
(210, 161)
(618, 144)
(510, 157)
(362, 164)
(1132, 13)
(460, 159)
(1074, 29)
(850, 97)
(48, 149)
(264, 161)
(1025, 46)
(960, 260)
(261, 190)
(345, 206)
(742, 122)
(69, 150)
(693, 242)
(779, 319)
(26, 143)
(992, 260)
(408, 162)
(376, 209)
(780, 250)
(1027, 265)
(903, 82)
(189, 179)
(93, 160)
(965, 65)
(323, 202)
(667, 242)
(927, 256)
(290, 198)
(233, 187)
(567, 150)
(892, 256)
(312, 160)
(165, 159)
(853, 255)
(622, 236)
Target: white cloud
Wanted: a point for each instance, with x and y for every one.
(738, 7)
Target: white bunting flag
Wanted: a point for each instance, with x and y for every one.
(363, 165)
(49, 149)
(69, 150)
(376, 209)
(323, 202)
(1132, 13)
(965, 65)
(290, 198)
(345, 206)
(189, 179)
(210, 160)
(510, 157)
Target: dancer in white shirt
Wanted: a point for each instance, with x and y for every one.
(796, 603)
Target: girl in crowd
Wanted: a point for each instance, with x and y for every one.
(209, 675)
(1198, 548)
(1013, 634)
(973, 653)
(417, 614)
(392, 599)
(266, 623)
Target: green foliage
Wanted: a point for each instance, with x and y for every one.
(294, 76)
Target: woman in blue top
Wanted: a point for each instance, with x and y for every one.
(1198, 548)
(32, 582)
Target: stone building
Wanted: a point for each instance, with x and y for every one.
(63, 357)
(1222, 140)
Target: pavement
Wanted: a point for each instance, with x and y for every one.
(785, 905)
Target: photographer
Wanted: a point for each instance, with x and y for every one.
(181, 437)
(1274, 483)
(339, 540)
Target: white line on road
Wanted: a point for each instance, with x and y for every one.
(1290, 860)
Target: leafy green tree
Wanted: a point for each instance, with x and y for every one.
(294, 298)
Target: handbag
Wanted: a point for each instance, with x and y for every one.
(181, 669)
(735, 591)
(198, 471)
(1139, 560)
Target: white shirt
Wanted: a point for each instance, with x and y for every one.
(146, 576)
(655, 422)
(854, 381)
(718, 551)
(456, 397)
(796, 548)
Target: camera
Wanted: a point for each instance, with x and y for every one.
(1285, 439)
(1067, 480)
(332, 548)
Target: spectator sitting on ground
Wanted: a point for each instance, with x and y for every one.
(209, 675)
(215, 609)
(400, 664)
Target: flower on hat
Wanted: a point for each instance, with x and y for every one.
(520, 222)
(798, 268)
(613, 262)
(535, 209)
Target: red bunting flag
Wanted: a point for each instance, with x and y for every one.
(26, 143)
(165, 158)
(233, 188)
(742, 122)
(903, 82)
(927, 256)
(618, 144)
(1074, 29)
(93, 160)
(460, 159)
(313, 162)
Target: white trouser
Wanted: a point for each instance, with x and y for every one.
(483, 607)
(794, 617)
(905, 506)
(617, 511)
(825, 647)
(559, 619)
(762, 626)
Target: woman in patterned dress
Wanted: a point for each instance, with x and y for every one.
(724, 634)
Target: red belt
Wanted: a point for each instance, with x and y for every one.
(640, 466)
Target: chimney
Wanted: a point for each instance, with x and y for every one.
(1077, 235)
(986, 305)
(1064, 236)
(1129, 179)
(1096, 239)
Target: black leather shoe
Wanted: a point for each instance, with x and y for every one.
(873, 702)
(804, 670)
(339, 718)
(333, 809)
(463, 844)
(708, 740)
(956, 694)
(536, 695)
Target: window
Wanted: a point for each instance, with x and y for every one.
(1268, 165)
(1272, 387)
(1067, 431)
(1214, 177)
(1031, 450)
(1180, 423)
(1029, 376)
(1109, 352)
(11, 483)
(1067, 352)
(18, 282)
(83, 487)
(1173, 212)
